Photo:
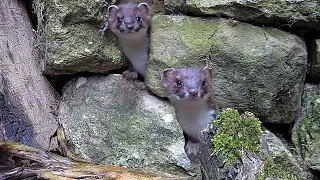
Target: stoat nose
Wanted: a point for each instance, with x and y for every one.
(129, 26)
(193, 92)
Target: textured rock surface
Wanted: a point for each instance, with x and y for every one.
(301, 13)
(315, 64)
(261, 70)
(111, 122)
(70, 35)
(279, 161)
(306, 135)
(276, 162)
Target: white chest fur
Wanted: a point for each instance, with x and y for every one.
(136, 48)
(194, 118)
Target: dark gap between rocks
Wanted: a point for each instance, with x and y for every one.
(58, 81)
(316, 174)
(310, 39)
(32, 15)
(281, 130)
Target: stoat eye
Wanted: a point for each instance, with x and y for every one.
(178, 82)
(203, 83)
(119, 20)
(138, 19)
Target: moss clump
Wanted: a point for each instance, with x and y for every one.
(270, 169)
(235, 133)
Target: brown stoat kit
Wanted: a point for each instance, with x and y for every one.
(189, 90)
(130, 22)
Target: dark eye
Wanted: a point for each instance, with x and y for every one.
(203, 83)
(138, 19)
(179, 83)
(119, 20)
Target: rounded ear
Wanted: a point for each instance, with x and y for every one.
(112, 12)
(208, 71)
(166, 76)
(144, 7)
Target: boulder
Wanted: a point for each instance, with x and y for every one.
(71, 40)
(109, 121)
(290, 13)
(305, 134)
(257, 69)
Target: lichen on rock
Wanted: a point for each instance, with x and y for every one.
(71, 38)
(255, 154)
(108, 120)
(305, 134)
(255, 68)
(290, 13)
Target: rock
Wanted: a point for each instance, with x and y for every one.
(315, 61)
(279, 161)
(257, 69)
(109, 121)
(272, 160)
(291, 13)
(305, 134)
(71, 39)
(155, 5)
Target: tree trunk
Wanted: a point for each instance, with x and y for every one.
(27, 93)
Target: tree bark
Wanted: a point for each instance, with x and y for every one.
(19, 162)
(26, 91)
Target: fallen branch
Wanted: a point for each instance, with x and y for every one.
(20, 161)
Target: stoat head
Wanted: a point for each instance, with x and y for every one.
(129, 19)
(187, 83)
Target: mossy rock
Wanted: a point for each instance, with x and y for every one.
(305, 134)
(241, 144)
(315, 60)
(108, 120)
(70, 37)
(257, 69)
(290, 13)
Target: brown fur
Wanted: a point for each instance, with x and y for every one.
(130, 22)
(189, 90)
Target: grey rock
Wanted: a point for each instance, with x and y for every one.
(109, 121)
(315, 60)
(273, 161)
(257, 69)
(305, 134)
(278, 159)
(71, 39)
(290, 13)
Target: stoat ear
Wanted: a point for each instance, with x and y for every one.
(144, 8)
(208, 71)
(112, 12)
(166, 75)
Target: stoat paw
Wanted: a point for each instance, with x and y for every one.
(140, 85)
(130, 74)
(192, 150)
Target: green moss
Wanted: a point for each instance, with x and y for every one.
(198, 35)
(236, 132)
(270, 169)
(308, 133)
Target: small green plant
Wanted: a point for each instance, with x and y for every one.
(270, 169)
(235, 132)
